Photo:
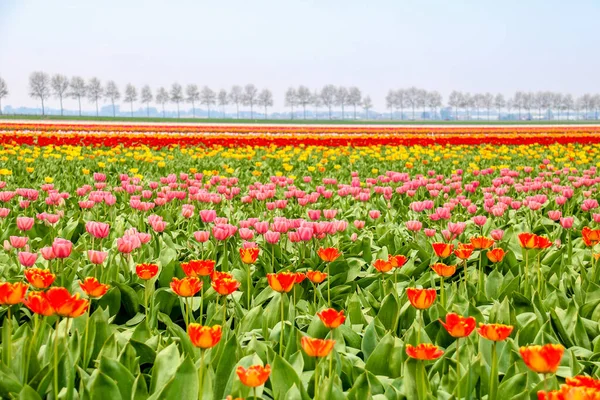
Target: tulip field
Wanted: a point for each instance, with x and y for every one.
(198, 262)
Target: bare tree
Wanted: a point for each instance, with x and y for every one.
(433, 100)
(467, 102)
(567, 104)
(95, 91)
(130, 96)
(250, 93)
(162, 97)
(176, 95)
(265, 99)
(477, 102)
(192, 96)
(545, 102)
(488, 102)
(328, 95)
(3, 92)
(557, 100)
(390, 102)
(367, 104)
(146, 98)
(596, 105)
(341, 98)
(316, 102)
(518, 102)
(78, 89)
(39, 86)
(499, 103)
(412, 98)
(354, 98)
(291, 99)
(60, 85)
(586, 101)
(222, 100)
(510, 104)
(208, 97)
(112, 93)
(454, 101)
(304, 98)
(236, 96)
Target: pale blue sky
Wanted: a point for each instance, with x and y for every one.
(478, 45)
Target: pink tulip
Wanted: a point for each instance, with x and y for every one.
(272, 237)
(566, 222)
(18, 242)
(98, 230)
(62, 248)
(497, 234)
(329, 214)
(480, 220)
(261, 227)
(127, 244)
(554, 215)
(353, 237)
(314, 214)
(27, 259)
(374, 214)
(97, 257)
(208, 216)
(305, 233)
(249, 245)
(414, 226)
(359, 224)
(429, 232)
(25, 223)
(144, 237)
(4, 212)
(201, 236)
(220, 232)
(47, 253)
(246, 234)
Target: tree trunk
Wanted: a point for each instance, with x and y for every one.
(193, 109)
(208, 110)
(43, 111)
(304, 110)
(251, 111)
(61, 107)
(237, 106)
(265, 112)
(177, 110)
(292, 111)
(0, 105)
(342, 110)
(163, 107)
(401, 113)
(97, 107)
(131, 107)
(329, 112)
(113, 105)
(148, 110)
(79, 97)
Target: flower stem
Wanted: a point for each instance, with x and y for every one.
(419, 326)
(202, 303)
(281, 331)
(328, 287)
(494, 374)
(85, 338)
(8, 321)
(248, 288)
(458, 368)
(317, 380)
(442, 292)
(56, 359)
(201, 375)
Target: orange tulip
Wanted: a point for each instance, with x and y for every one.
(542, 359)
(464, 251)
(216, 275)
(481, 242)
(397, 261)
(249, 255)
(204, 337)
(282, 281)
(421, 298)
(458, 326)
(442, 250)
(225, 286)
(424, 351)
(495, 332)
(527, 240)
(542, 242)
(382, 266)
(196, 268)
(65, 304)
(328, 254)
(444, 270)
(316, 347)
(299, 277)
(39, 304)
(39, 278)
(576, 388)
(591, 237)
(146, 271)
(254, 376)
(495, 255)
(93, 288)
(12, 293)
(331, 318)
(316, 276)
(186, 287)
